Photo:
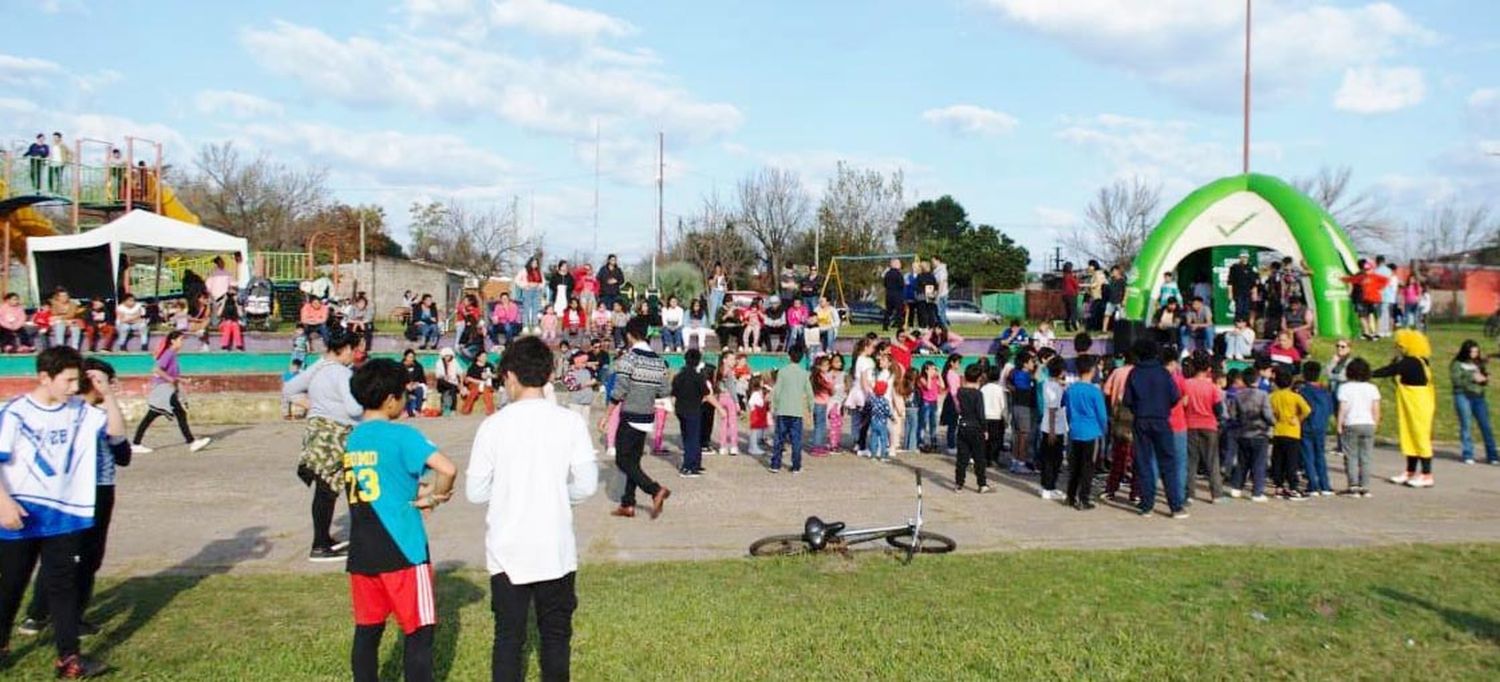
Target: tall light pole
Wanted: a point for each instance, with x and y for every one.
(1245, 166)
(661, 172)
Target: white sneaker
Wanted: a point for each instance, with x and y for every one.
(734, 450)
(1401, 478)
(1236, 493)
(1420, 481)
(199, 444)
(610, 452)
(140, 449)
(1259, 498)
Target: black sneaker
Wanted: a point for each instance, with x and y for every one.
(325, 554)
(688, 473)
(31, 627)
(77, 667)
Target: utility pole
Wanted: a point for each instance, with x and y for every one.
(661, 172)
(361, 234)
(596, 186)
(1245, 165)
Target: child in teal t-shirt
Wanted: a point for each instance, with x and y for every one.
(390, 572)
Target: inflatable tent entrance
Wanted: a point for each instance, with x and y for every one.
(1258, 212)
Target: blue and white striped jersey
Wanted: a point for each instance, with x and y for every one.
(49, 464)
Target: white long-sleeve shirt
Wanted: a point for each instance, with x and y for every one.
(531, 462)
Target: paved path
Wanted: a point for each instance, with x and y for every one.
(238, 506)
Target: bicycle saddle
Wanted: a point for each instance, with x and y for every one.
(817, 533)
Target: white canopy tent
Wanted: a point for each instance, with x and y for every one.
(76, 258)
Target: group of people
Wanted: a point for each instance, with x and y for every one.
(528, 464)
(103, 326)
(47, 168)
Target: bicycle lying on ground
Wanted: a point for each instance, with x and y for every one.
(819, 536)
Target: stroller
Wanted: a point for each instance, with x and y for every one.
(258, 303)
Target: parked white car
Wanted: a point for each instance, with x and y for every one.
(966, 312)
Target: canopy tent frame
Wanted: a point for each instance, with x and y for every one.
(141, 233)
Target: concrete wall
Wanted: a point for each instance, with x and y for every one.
(384, 279)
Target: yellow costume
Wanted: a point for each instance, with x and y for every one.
(1415, 405)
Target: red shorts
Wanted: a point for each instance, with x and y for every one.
(406, 593)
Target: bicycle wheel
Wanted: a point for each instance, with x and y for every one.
(779, 545)
(932, 543)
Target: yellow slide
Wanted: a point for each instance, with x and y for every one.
(173, 208)
(23, 223)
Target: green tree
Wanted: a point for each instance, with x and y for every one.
(985, 258)
(941, 219)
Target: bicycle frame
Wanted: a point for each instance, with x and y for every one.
(914, 526)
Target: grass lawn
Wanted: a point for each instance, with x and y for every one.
(1414, 612)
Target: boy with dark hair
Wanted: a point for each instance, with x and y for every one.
(994, 415)
(1152, 395)
(390, 570)
(970, 430)
(1202, 412)
(531, 463)
(1286, 444)
(640, 380)
(1054, 427)
(1249, 412)
(689, 390)
(791, 400)
(49, 440)
(112, 451)
(1315, 429)
(1088, 420)
(1022, 385)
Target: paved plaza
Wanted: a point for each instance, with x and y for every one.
(238, 506)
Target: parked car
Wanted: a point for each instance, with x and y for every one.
(967, 312)
(863, 312)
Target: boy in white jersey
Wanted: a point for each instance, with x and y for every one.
(112, 452)
(49, 440)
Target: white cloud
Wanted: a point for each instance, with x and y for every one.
(556, 19)
(1167, 152)
(1055, 218)
(388, 156)
(1375, 90)
(28, 71)
(474, 19)
(1484, 110)
(971, 119)
(241, 105)
(1196, 49)
(28, 115)
(428, 72)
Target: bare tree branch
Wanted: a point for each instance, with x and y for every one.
(1449, 230)
(1363, 215)
(774, 209)
(484, 242)
(1117, 222)
(711, 236)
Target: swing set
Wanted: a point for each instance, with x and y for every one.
(834, 275)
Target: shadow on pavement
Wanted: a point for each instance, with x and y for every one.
(138, 600)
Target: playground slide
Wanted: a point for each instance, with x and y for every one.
(23, 223)
(173, 208)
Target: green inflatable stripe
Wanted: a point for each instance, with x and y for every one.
(1327, 249)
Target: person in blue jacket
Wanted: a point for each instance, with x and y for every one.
(1315, 429)
(1150, 393)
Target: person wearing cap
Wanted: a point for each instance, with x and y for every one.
(1242, 280)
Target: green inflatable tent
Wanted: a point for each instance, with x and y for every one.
(1255, 211)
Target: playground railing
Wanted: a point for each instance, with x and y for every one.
(279, 266)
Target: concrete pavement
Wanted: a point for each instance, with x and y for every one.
(238, 507)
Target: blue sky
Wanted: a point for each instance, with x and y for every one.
(1019, 108)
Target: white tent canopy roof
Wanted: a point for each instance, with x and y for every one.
(143, 233)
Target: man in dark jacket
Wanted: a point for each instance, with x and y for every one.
(895, 286)
(1151, 393)
(610, 279)
(688, 390)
